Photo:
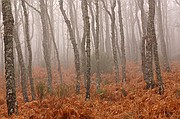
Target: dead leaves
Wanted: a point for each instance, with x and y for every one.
(111, 102)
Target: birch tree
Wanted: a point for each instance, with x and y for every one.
(8, 22)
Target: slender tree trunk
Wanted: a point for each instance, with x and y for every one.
(98, 77)
(84, 6)
(46, 44)
(114, 49)
(107, 39)
(29, 50)
(55, 47)
(20, 57)
(8, 22)
(165, 61)
(122, 43)
(155, 46)
(144, 29)
(73, 41)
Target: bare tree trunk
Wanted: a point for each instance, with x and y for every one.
(107, 39)
(112, 17)
(149, 42)
(55, 47)
(20, 57)
(46, 43)
(8, 22)
(84, 6)
(29, 50)
(73, 41)
(122, 43)
(165, 61)
(98, 77)
(144, 27)
(155, 45)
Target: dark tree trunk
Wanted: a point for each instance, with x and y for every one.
(29, 50)
(8, 22)
(149, 41)
(155, 48)
(84, 6)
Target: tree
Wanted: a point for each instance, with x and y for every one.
(112, 17)
(73, 41)
(45, 43)
(29, 50)
(98, 77)
(122, 43)
(149, 55)
(152, 49)
(8, 22)
(144, 30)
(165, 61)
(86, 37)
(20, 57)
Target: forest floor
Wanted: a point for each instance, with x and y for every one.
(109, 103)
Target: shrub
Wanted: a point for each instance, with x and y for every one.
(40, 87)
(62, 90)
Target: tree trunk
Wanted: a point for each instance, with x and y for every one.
(149, 55)
(20, 57)
(46, 44)
(55, 47)
(98, 77)
(73, 41)
(165, 61)
(155, 46)
(8, 22)
(114, 49)
(144, 37)
(84, 6)
(29, 50)
(122, 43)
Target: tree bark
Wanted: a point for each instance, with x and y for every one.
(144, 37)
(73, 41)
(98, 77)
(29, 50)
(149, 43)
(20, 57)
(165, 61)
(8, 22)
(122, 43)
(84, 6)
(114, 49)
(46, 44)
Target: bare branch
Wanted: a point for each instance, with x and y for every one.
(106, 9)
(32, 7)
(177, 2)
